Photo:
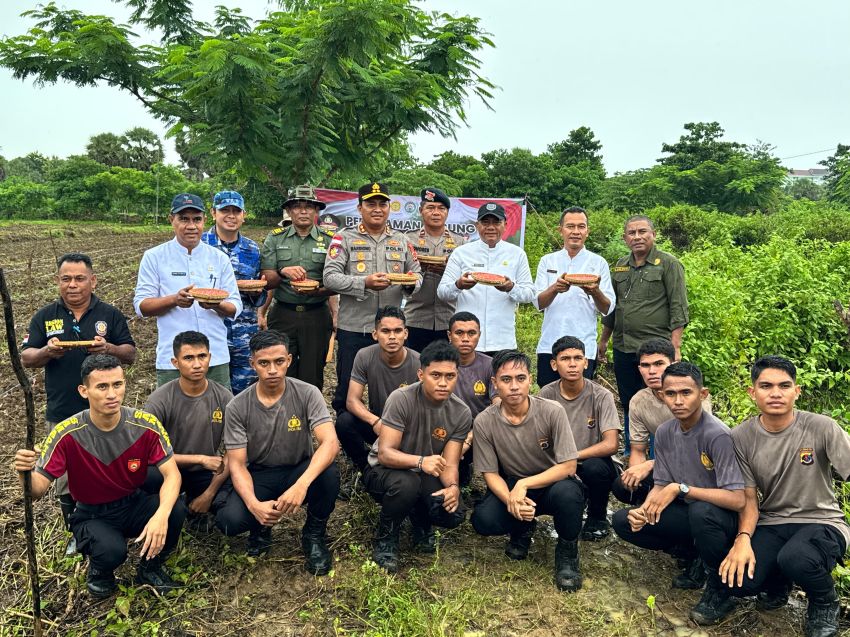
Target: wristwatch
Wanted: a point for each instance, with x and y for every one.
(683, 490)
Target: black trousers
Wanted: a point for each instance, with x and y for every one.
(597, 474)
(356, 438)
(418, 337)
(232, 517)
(546, 375)
(636, 497)
(194, 483)
(684, 531)
(309, 334)
(563, 500)
(348, 344)
(804, 554)
(402, 492)
(629, 382)
(102, 530)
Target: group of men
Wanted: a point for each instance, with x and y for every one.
(447, 389)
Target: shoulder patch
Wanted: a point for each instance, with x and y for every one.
(278, 231)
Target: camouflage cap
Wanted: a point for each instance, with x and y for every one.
(304, 192)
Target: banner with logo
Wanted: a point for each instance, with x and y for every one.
(404, 213)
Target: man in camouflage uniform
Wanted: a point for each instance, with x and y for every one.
(293, 254)
(427, 315)
(228, 213)
(358, 262)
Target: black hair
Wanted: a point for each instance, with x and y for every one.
(390, 311)
(439, 352)
(566, 342)
(463, 316)
(74, 257)
(773, 362)
(634, 218)
(572, 210)
(97, 362)
(683, 369)
(505, 356)
(656, 346)
(266, 339)
(189, 337)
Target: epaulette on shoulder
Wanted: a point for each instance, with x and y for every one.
(278, 230)
(328, 233)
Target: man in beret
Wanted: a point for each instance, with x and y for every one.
(495, 306)
(168, 273)
(358, 266)
(427, 315)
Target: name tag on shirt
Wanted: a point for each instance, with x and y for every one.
(552, 271)
(178, 274)
(320, 250)
(477, 265)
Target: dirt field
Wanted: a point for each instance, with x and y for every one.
(468, 589)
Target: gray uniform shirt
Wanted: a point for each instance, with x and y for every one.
(591, 413)
(703, 456)
(791, 469)
(473, 385)
(542, 440)
(195, 424)
(423, 308)
(279, 435)
(647, 412)
(353, 255)
(426, 426)
(381, 380)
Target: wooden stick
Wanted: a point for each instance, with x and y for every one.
(330, 355)
(29, 526)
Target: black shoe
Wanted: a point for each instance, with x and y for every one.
(386, 543)
(595, 529)
(259, 541)
(567, 574)
(519, 543)
(101, 584)
(67, 505)
(424, 539)
(714, 605)
(773, 599)
(314, 543)
(151, 573)
(822, 618)
(692, 576)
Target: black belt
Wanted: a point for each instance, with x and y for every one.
(106, 506)
(306, 307)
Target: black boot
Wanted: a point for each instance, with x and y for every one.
(386, 543)
(314, 543)
(567, 574)
(692, 576)
(151, 573)
(595, 529)
(519, 543)
(822, 616)
(714, 605)
(423, 537)
(67, 505)
(259, 541)
(101, 584)
(774, 597)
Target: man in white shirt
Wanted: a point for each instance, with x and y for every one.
(167, 275)
(571, 309)
(496, 305)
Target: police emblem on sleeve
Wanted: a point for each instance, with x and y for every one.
(217, 416)
(706, 461)
(100, 328)
(134, 465)
(479, 388)
(807, 455)
(439, 433)
(294, 423)
(544, 443)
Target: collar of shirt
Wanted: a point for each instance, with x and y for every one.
(210, 237)
(362, 229)
(651, 258)
(291, 232)
(579, 255)
(92, 303)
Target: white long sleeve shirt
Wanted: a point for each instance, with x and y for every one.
(495, 309)
(166, 269)
(571, 313)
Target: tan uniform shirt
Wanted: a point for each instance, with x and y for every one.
(353, 255)
(791, 469)
(591, 413)
(647, 412)
(423, 308)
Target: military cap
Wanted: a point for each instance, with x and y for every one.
(436, 195)
(228, 198)
(374, 189)
(306, 193)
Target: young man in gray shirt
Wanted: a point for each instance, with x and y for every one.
(796, 532)
(413, 465)
(268, 434)
(698, 487)
(525, 449)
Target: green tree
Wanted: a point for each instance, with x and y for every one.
(702, 143)
(451, 163)
(73, 194)
(318, 88)
(805, 189)
(410, 181)
(107, 149)
(836, 168)
(24, 199)
(580, 146)
(142, 148)
(31, 167)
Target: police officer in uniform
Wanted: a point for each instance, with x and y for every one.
(357, 267)
(293, 254)
(427, 315)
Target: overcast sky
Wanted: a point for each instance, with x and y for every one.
(634, 72)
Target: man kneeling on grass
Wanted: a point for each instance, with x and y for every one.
(698, 487)
(106, 450)
(525, 449)
(413, 465)
(268, 434)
